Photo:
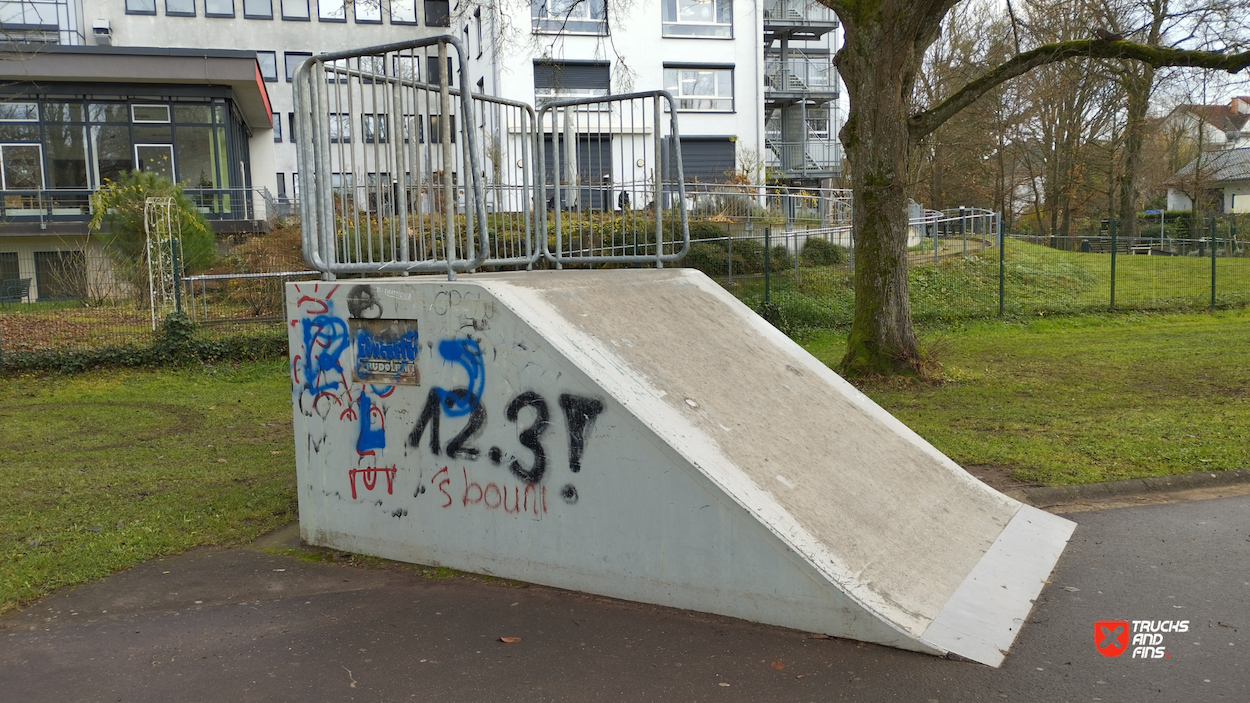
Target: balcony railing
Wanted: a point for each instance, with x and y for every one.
(74, 205)
(811, 156)
(800, 73)
(797, 11)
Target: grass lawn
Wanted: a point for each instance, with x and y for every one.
(103, 470)
(1083, 398)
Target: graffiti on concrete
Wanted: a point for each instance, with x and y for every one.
(355, 363)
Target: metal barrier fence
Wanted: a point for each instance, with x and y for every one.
(390, 161)
(611, 168)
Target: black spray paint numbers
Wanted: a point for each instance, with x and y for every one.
(580, 413)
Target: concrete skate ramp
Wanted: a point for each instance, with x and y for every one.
(641, 434)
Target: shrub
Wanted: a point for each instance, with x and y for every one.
(819, 252)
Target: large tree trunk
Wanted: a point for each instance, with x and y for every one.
(879, 61)
(1137, 84)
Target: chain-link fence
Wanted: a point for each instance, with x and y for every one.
(83, 299)
(960, 272)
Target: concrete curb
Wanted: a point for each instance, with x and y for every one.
(1047, 496)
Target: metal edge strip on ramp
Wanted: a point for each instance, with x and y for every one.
(983, 618)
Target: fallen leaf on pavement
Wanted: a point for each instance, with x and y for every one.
(778, 666)
(818, 636)
(509, 640)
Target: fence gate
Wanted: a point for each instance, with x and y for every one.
(405, 169)
(163, 228)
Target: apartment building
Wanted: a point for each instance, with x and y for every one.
(201, 89)
(753, 82)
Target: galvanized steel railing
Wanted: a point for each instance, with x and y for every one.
(610, 169)
(392, 169)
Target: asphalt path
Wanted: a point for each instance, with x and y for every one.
(253, 625)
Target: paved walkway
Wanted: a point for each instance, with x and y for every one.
(247, 624)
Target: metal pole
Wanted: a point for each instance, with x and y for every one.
(1212, 245)
(178, 276)
(767, 241)
(444, 129)
(934, 227)
(1111, 225)
(731, 259)
(659, 186)
(963, 230)
(1001, 261)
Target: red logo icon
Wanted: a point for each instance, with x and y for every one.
(1111, 637)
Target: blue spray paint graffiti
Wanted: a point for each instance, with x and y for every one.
(370, 439)
(467, 354)
(325, 340)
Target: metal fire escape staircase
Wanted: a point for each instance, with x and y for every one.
(798, 88)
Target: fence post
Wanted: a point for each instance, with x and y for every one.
(1114, 247)
(935, 240)
(1001, 262)
(768, 231)
(177, 274)
(1212, 244)
(731, 258)
(963, 230)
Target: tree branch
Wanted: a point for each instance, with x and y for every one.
(923, 123)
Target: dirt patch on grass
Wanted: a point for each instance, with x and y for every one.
(998, 477)
(94, 434)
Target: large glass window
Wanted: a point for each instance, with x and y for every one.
(21, 166)
(156, 158)
(701, 89)
(180, 8)
(295, 10)
(403, 11)
(331, 11)
(293, 59)
(570, 16)
(437, 13)
(258, 9)
(698, 18)
(268, 61)
(65, 144)
(219, 8)
(277, 126)
(340, 124)
(374, 129)
(368, 11)
(141, 7)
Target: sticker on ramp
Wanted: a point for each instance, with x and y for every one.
(386, 352)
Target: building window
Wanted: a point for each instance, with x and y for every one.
(373, 129)
(296, 10)
(437, 13)
(434, 75)
(331, 11)
(368, 11)
(701, 88)
(268, 61)
(281, 186)
(570, 16)
(149, 114)
(258, 9)
(21, 167)
(290, 123)
(698, 18)
(19, 112)
(61, 275)
(340, 124)
(403, 11)
(477, 20)
(277, 126)
(219, 8)
(156, 158)
(555, 80)
(436, 130)
(140, 7)
(180, 8)
(407, 67)
(293, 59)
